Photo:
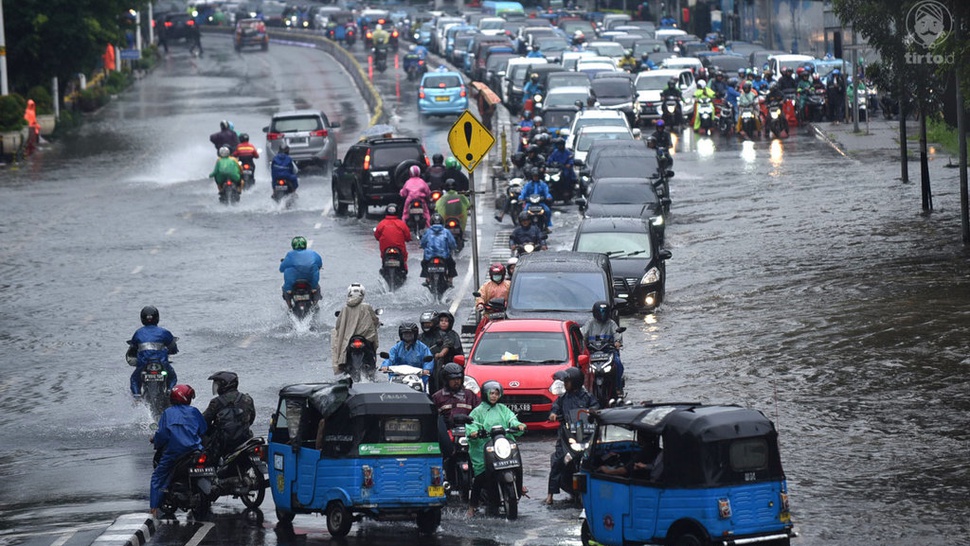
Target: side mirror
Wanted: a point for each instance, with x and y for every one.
(580, 202)
(338, 163)
(265, 129)
(459, 359)
(384, 354)
(579, 162)
(583, 361)
(621, 329)
(636, 133)
(664, 254)
(335, 125)
(665, 201)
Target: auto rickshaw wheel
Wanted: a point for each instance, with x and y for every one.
(688, 539)
(429, 520)
(585, 535)
(284, 516)
(339, 519)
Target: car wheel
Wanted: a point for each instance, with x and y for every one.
(338, 207)
(360, 206)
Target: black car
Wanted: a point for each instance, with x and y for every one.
(562, 285)
(617, 93)
(637, 259)
(373, 172)
(176, 26)
(625, 198)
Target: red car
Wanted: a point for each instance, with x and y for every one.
(522, 355)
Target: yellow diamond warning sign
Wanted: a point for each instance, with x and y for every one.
(469, 140)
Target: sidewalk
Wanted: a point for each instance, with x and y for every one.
(880, 142)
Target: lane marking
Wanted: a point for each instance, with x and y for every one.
(200, 534)
(244, 344)
(136, 270)
(170, 231)
(317, 225)
(64, 538)
(154, 251)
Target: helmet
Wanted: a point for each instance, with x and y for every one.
(390, 210)
(535, 47)
(524, 217)
(379, 27)
(452, 371)
(449, 316)
(437, 159)
(497, 270)
(701, 84)
(298, 243)
(671, 83)
(574, 376)
(436, 219)
(537, 120)
(532, 149)
(601, 311)
(645, 56)
(491, 385)
(836, 72)
(741, 72)
(224, 151)
(800, 71)
(284, 148)
(660, 124)
(430, 318)
(543, 138)
(223, 382)
(149, 315)
(415, 170)
(719, 74)
(451, 163)
(815, 76)
(182, 395)
(244, 137)
(355, 289)
(407, 328)
(223, 125)
(412, 48)
(578, 34)
(518, 159)
(559, 142)
(651, 142)
(746, 86)
(534, 77)
(450, 184)
(773, 85)
(656, 48)
(733, 82)
(768, 73)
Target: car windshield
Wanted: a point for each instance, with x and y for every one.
(611, 88)
(565, 99)
(652, 82)
(498, 61)
(552, 46)
(598, 122)
(614, 167)
(586, 139)
(609, 50)
(622, 194)
(492, 25)
(616, 244)
(557, 291)
(509, 348)
(647, 46)
(570, 27)
(296, 124)
(561, 118)
(388, 157)
(442, 81)
(517, 74)
(729, 63)
(568, 79)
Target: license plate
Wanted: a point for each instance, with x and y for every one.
(301, 297)
(300, 141)
(202, 472)
(155, 377)
(519, 407)
(442, 99)
(392, 263)
(417, 211)
(436, 269)
(508, 463)
(436, 491)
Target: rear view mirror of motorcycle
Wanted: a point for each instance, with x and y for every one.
(621, 329)
(477, 294)
(670, 174)
(428, 358)
(384, 354)
(579, 163)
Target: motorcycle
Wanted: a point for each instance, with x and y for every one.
(512, 198)
(662, 179)
(190, 486)
(749, 123)
(437, 280)
(350, 37)
(671, 106)
(459, 465)
(503, 472)
(579, 432)
(248, 175)
(416, 221)
(536, 211)
(453, 225)
(242, 474)
(392, 268)
(380, 58)
(602, 353)
(705, 112)
(435, 195)
(303, 299)
(776, 121)
(405, 374)
(229, 192)
(814, 105)
(415, 69)
(493, 309)
(559, 187)
(154, 382)
(282, 189)
(725, 118)
(361, 359)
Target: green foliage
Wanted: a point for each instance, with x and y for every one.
(149, 58)
(12, 109)
(42, 100)
(117, 82)
(92, 98)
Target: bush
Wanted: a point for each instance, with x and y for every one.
(92, 98)
(12, 108)
(149, 58)
(42, 99)
(116, 82)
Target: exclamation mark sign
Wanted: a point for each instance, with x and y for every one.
(468, 139)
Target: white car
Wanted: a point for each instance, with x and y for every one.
(664, 33)
(778, 62)
(565, 96)
(592, 133)
(649, 85)
(570, 58)
(692, 63)
(590, 117)
(612, 50)
(515, 75)
(492, 26)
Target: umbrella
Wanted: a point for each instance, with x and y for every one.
(378, 130)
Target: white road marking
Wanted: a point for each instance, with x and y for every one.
(200, 534)
(170, 231)
(246, 342)
(317, 225)
(136, 270)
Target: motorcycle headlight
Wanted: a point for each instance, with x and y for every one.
(651, 276)
(558, 388)
(657, 220)
(528, 247)
(537, 98)
(472, 385)
(608, 368)
(774, 114)
(503, 448)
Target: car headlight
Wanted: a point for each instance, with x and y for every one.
(651, 276)
(558, 388)
(503, 448)
(657, 220)
(472, 385)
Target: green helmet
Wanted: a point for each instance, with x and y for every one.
(298, 243)
(451, 163)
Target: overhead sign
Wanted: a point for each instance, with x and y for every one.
(130, 54)
(469, 140)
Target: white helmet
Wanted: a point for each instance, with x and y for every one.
(224, 151)
(701, 84)
(379, 27)
(355, 289)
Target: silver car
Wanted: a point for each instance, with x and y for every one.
(307, 132)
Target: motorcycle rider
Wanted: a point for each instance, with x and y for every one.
(719, 85)
(380, 39)
(702, 92)
(409, 351)
(645, 63)
(748, 99)
(430, 333)
(392, 232)
(452, 400)
(246, 153)
(804, 87)
(674, 92)
(450, 347)
(786, 81)
(453, 204)
(150, 343)
(661, 136)
(180, 431)
(300, 263)
(628, 62)
(488, 414)
(355, 319)
(835, 96)
(531, 88)
(578, 39)
(435, 175)
(526, 233)
(564, 159)
(510, 266)
(775, 95)
(412, 59)
(534, 53)
(453, 171)
(224, 137)
(537, 185)
(602, 327)
(731, 95)
(438, 242)
(416, 189)
(229, 415)
(497, 286)
(283, 167)
(538, 128)
(226, 168)
(575, 398)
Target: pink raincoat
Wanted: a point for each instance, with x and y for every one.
(416, 188)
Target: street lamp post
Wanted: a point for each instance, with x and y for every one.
(4, 88)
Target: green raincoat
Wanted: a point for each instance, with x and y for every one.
(484, 417)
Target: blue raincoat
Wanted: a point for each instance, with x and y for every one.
(400, 355)
(438, 242)
(153, 343)
(180, 430)
(301, 264)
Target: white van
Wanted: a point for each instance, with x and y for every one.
(778, 62)
(664, 33)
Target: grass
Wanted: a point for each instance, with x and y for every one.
(938, 132)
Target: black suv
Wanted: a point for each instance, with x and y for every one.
(373, 172)
(176, 26)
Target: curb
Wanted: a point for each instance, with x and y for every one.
(128, 530)
(831, 141)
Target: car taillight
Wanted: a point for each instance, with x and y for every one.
(462, 91)
(441, 85)
(274, 136)
(357, 344)
(168, 24)
(421, 92)
(368, 475)
(190, 23)
(369, 35)
(367, 161)
(320, 133)
(394, 34)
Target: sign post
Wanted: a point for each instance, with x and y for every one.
(470, 141)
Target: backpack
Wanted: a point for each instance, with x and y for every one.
(232, 426)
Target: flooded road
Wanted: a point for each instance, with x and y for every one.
(803, 283)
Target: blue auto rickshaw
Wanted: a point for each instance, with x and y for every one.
(683, 475)
(351, 451)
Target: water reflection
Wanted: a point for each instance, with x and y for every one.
(776, 153)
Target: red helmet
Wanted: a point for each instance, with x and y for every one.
(496, 270)
(182, 394)
(799, 71)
